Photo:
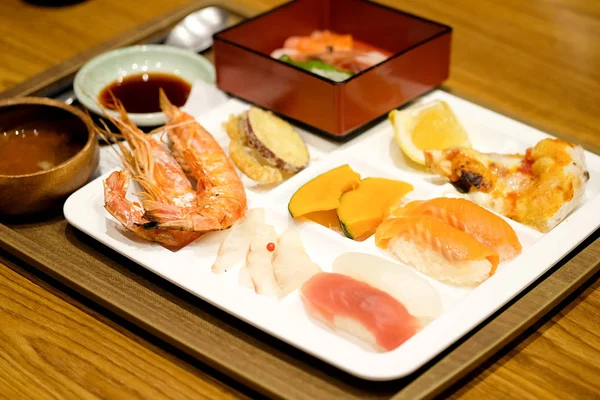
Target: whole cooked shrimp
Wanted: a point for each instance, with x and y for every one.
(151, 164)
(220, 195)
(159, 175)
(131, 215)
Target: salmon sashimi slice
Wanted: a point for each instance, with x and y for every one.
(319, 42)
(437, 249)
(359, 310)
(485, 226)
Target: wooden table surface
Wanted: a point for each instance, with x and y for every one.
(537, 61)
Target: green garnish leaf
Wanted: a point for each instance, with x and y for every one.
(318, 67)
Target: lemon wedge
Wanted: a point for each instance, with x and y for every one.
(430, 126)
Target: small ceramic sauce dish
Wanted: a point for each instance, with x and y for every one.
(134, 74)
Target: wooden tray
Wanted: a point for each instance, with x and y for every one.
(238, 350)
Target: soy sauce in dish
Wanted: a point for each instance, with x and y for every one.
(26, 151)
(139, 93)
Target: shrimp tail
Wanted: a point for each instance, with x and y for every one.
(157, 211)
(167, 107)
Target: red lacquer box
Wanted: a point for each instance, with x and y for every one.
(420, 61)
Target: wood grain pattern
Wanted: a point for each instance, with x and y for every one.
(178, 317)
(538, 61)
(530, 372)
(559, 360)
(279, 369)
(535, 60)
(50, 348)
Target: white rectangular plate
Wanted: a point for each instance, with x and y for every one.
(372, 154)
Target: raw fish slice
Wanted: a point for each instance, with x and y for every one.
(319, 42)
(291, 265)
(259, 260)
(415, 293)
(244, 278)
(483, 225)
(437, 249)
(355, 308)
(234, 248)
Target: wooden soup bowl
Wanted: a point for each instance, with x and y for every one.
(45, 190)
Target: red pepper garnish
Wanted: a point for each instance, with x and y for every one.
(270, 246)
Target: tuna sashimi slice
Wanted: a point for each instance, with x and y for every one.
(355, 308)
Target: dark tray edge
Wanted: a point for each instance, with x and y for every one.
(529, 306)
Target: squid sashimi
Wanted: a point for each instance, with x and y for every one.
(291, 265)
(259, 261)
(354, 308)
(234, 248)
(437, 249)
(483, 225)
(244, 278)
(415, 293)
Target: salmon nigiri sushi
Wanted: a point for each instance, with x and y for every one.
(483, 225)
(369, 315)
(437, 249)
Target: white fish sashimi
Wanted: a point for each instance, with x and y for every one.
(259, 260)
(244, 278)
(415, 293)
(291, 264)
(234, 248)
